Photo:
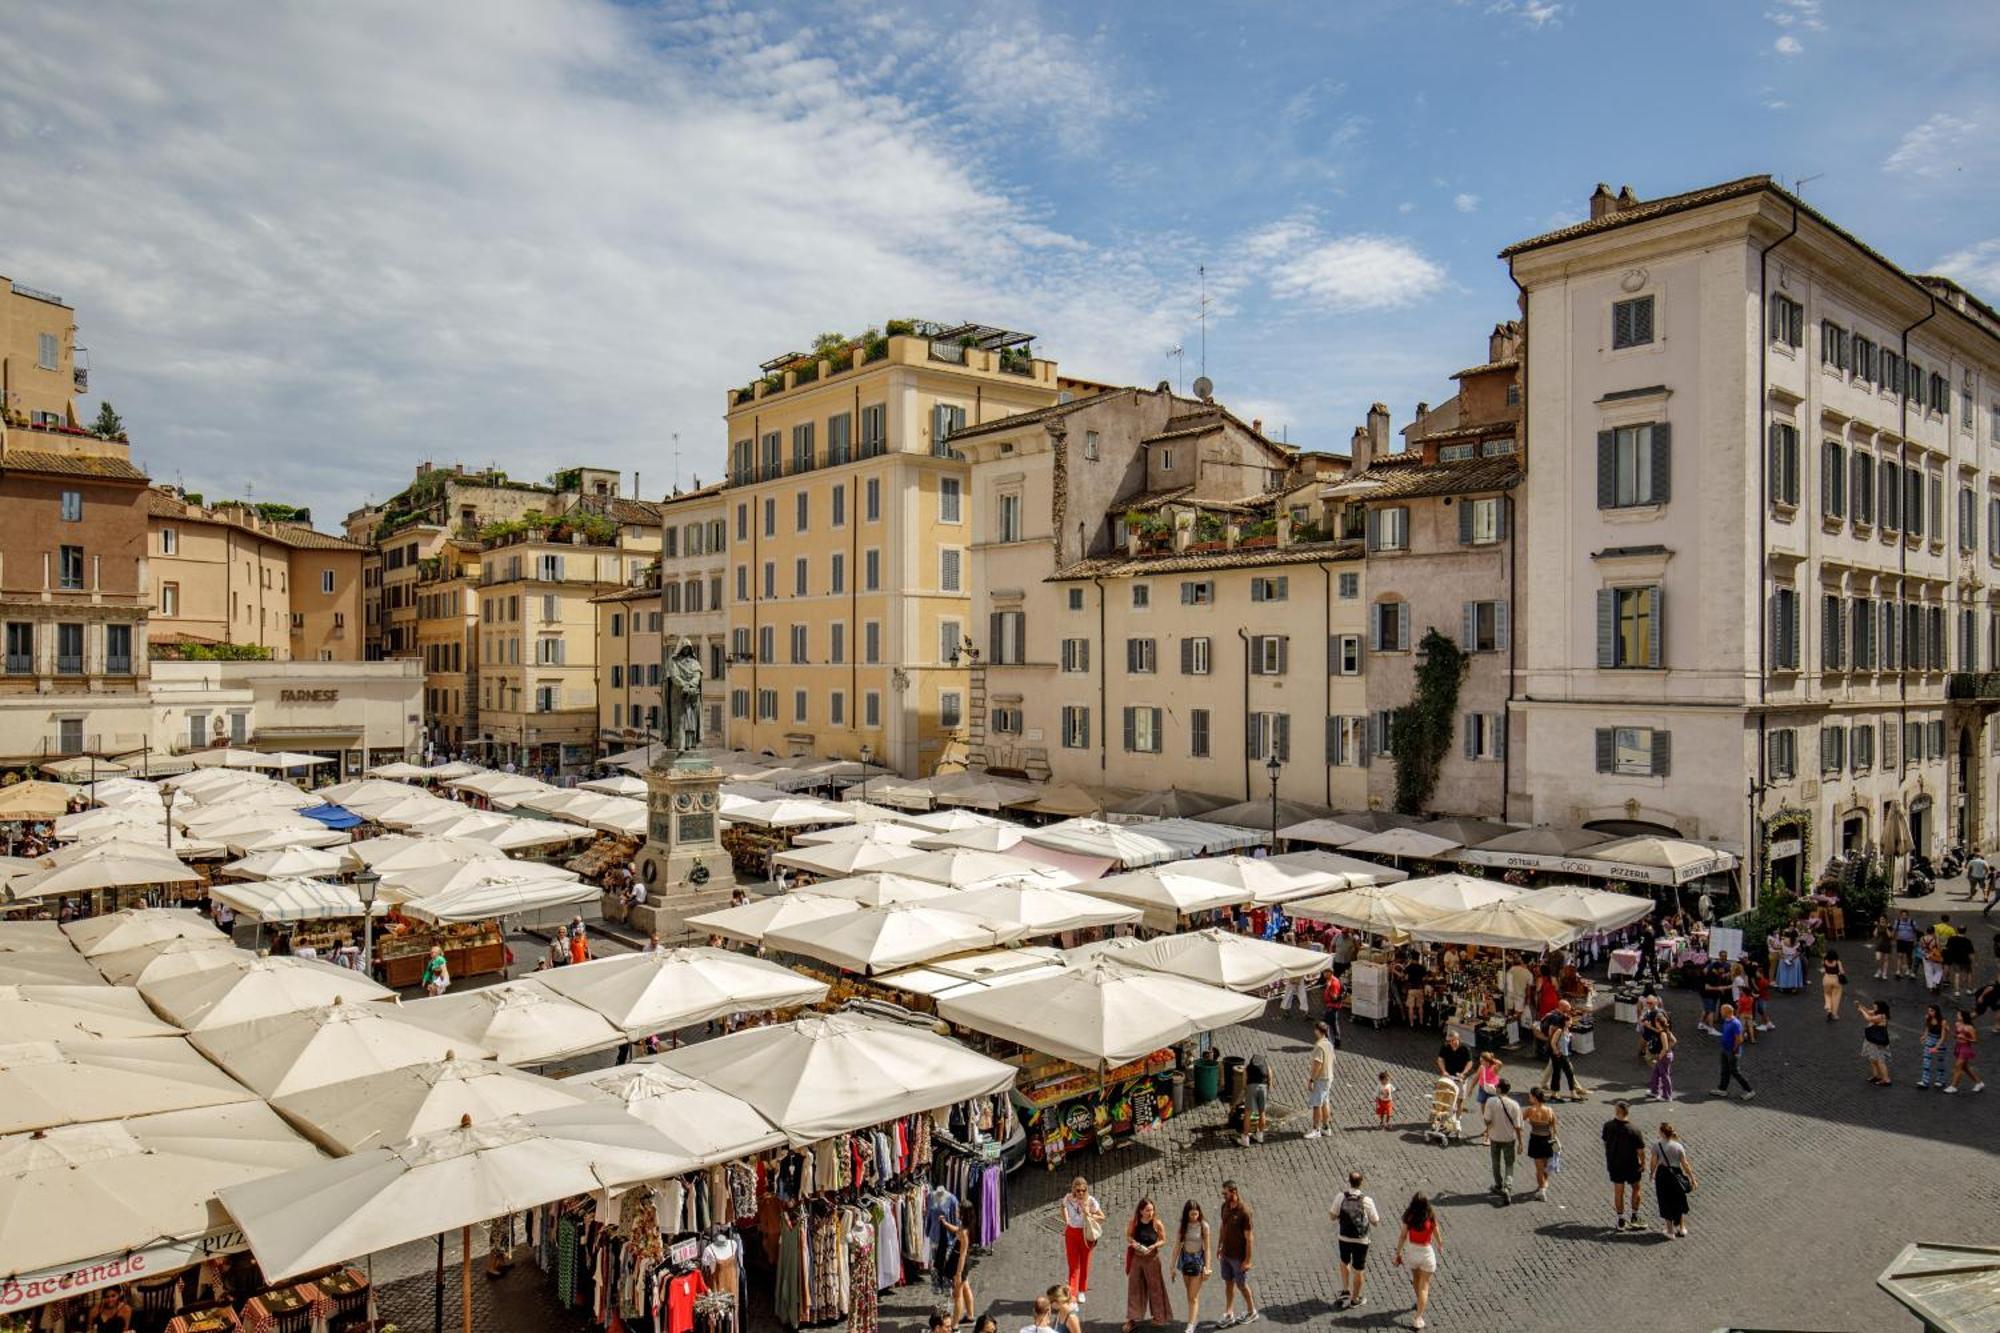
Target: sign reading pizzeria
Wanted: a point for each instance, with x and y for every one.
(308, 696)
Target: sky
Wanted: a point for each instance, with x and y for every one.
(310, 246)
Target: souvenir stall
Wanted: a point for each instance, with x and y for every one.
(403, 945)
(319, 919)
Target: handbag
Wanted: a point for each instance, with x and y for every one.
(1093, 1227)
(1190, 1264)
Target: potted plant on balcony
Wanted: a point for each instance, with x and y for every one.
(1264, 532)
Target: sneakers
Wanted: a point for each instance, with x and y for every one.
(1242, 1141)
(1619, 1225)
(1250, 1318)
(1314, 1133)
(1750, 1095)
(1950, 1091)
(1342, 1301)
(1541, 1196)
(1418, 1322)
(1080, 1297)
(1923, 1083)
(1260, 1139)
(1229, 1320)
(1979, 1087)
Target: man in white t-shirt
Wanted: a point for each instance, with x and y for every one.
(1319, 1082)
(1354, 1217)
(1505, 1130)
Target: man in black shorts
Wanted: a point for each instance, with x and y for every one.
(1354, 1216)
(1624, 1156)
(1454, 1058)
(1714, 990)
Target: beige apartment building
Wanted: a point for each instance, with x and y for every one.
(1144, 601)
(1439, 522)
(225, 574)
(447, 594)
(682, 598)
(1765, 521)
(849, 546)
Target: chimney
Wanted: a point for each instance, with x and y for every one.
(1423, 410)
(1602, 202)
(1257, 424)
(1378, 428)
(1360, 450)
(1626, 199)
(1496, 343)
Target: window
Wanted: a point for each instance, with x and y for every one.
(770, 516)
(1782, 753)
(1861, 616)
(1628, 627)
(871, 570)
(1833, 633)
(1166, 460)
(69, 735)
(1788, 321)
(771, 447)
(20, 648)
(617, 677)
(742, 523)
(1993, 527)
(72, 506)
(798, 706)
(839, 439)
(767, 644)
(1198, 733)
(1076, 655)
(47, 353)
(617, 625)
(836, 641)
(949, 560)
(1090, 446)
(549, 650)
(801, 512)
(1633, 465)
(170, 541)
(1457, 453)
(1502, 448)
(839, 518)
(799, 645)
(1198, 592)
(1007, 633)
(802, 447)
(1861, 487)
(71, 570)
(1832, 479)
(874, 429)
(1634, 752)
(1349, 586)
(1485, 735)
(1141, 657)
(946, 421)
(836, 702)
(1389, 627)
(1861, 747)
(871, 642)
(1832, 345)
(1867, 368)
(1075, 727)
(1482, 522)
(1142, 595)
(799, 577)
(767, 705)
(1268, 734)
(69, 649)
(871, 709)
(549, 568)
(1007, 721)
(1269, 654)
(1389, 529)
(1346, 655)
(836, 578)
(1632, 322)
(1010, 518)
(197, 730)
(1076, 599)
(1269, 590)
(1485, 628)
(170, 599)
(951, 638)
(948, 499)
(1195, 655)
(1937, 508)
(1968, 519)
(1142, 731)
(743, 583)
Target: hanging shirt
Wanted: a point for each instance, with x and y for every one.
(681, 1294)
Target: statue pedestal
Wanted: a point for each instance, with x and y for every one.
(684, 868)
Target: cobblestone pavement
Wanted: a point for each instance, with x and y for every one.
(1806, 1193)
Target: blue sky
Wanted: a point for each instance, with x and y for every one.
(311, 246)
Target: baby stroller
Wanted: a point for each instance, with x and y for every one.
(1444, 1128)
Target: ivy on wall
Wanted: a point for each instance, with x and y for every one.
(1421, 730)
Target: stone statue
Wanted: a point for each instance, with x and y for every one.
(683, 710)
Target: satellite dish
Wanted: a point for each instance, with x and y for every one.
(1203, 387)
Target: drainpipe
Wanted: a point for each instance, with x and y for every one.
(1327, 638)
(1752, 842)
(1103, 707)
(1242, 634)
(1514, 619)
(1903, 562)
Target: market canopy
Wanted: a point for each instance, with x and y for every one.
(1541, 848)
(231, 757)
(1038, 910)
(78, 1193)
(47, 968)
(644, 993)
(1356, 871)
(286, 862)
(82, 768)
(1414, 844)
(1099, 1015)
(949, 821)
(1466, 832)
(1454, 892)
(324, 1214)
(1119, 844)
(457, 768)
(1258, 878)
(1649, 859)
(826, 1074)
(395, 852)
(399, 1104)
(521, 1022)
(702, 1121)
(842, 858)
(363, 790)
(1595, 909)
(981, 791)
(1172, 803)
(125, 844)
(333, 816)
(168, 958)
(878, 888)
(1217, 958)
(881, 939)
(520, 834)
(1069, 800)
(292, 898)
(77, 1013)
(989, 838)
(512, 895)
(1165, 893)
(622, 784)
(135, 927)
(255, 988)
(291, 1052)
(48, 1083)
(792, 812)
(35, 800)
(747, 922)
(1264, 816)
(879, 831)
(1505, 924)
(1375, 909)
(1333, 832)
(961, 868)
(288, 836)
(103, 872)
(399, 771)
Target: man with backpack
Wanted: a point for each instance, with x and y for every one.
(1354, 1216)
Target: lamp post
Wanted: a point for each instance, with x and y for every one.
(1273, 767)
(366, 883)
(867, 757)
(167, 795)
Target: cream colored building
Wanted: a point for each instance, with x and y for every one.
(355, 713)
(683, 598)
(1149, 615)
(447, 595)
(1764, 517)
(628, 664)
(849, 540)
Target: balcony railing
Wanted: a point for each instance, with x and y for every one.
(69, 664)
(1973, 685)
(950, 353)
(118, 666)
(20, 664)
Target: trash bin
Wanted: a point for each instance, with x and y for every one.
(1207, 1080)
(1177, 1090)
(1232, 1078)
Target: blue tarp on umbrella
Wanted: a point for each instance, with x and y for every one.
(333, 816)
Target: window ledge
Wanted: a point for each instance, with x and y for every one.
(1659, 392)
(1631, 513)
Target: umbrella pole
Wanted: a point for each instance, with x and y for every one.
(465, 1278)
(437, 1303)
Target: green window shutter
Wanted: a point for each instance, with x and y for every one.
(1607, 627)
(1659, 635)
(1663, 462)
(1607, 472)
(1464, 522)
(1606, 749)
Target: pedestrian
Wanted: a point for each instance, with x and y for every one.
(1235, 1250)
(1933, 1046)
(1673, 1179)
(1062, 1309)
(1194, 1252)
(1543, 1145)
(1504, 1134)
(1660, 1033)
(1956, 952)
(1556, 1031)
(987, 1324)
(1354, 1217)
(437, 973)
(1454, 1059)
(1624, 1163)
(1729, 1040)
(1486, 1079)
(1083, 1226)
(1875, 1041)
(579, 944)
(1976, 871)
(1906, 944)
(1385, 1100)
(1883, 941)
(1760, 1001)
(1931, 949)
(559, 948)
(1832, 982)
(951, 1250)
(1044, 1311)
(1714, 990)
(1256, 1097)
(1417, 1249)
(940, 1321)
(1331, 997)
(1964, 1051)
(1791, 964)
(1145, 1285)
(1319, 1082)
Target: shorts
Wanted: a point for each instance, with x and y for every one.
(1420, 1259)
(1541, 1147)
(1625, 1175)
(1354, 1254)
(1232, 1269)
(1317, 1096)
(1255, 1096)
(1873, 1053)
(1906, 947)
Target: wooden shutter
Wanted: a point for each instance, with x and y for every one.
(1663, 752)
(1284, 653)
(1607, 627)
(1130, 726)
(1502, 634)
(1403, 627)
(1253, 735)
(1281, 736)
(1464, 522)
(1607, 471)
(1658, 637)
(1187, 657)
(1499, 731)
(1364, 751)
(1663, 462)
(1503, 516)
(1466, 724)
(1373, 529)
(1607, 741)
(1470, 626)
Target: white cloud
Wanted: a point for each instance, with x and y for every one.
(1976, 266)
(1787, 45)
(1344, 274)
(1797, 13)
(1466, 203)
(1943, 144)
(1532, 13)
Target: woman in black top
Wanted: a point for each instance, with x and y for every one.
(1875, 1042)
(1145, 1284)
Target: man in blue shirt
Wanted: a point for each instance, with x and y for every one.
(1730, 1038)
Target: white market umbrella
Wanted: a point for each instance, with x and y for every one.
(122, 845)
(452, 820)
(47, 968)
(841, 858)
(876, 888)
(231, 758)
(1100, 1015)
(747, 922)
(982, 792)
(77, 1193)
(399, 771)
(1350, 868)
(1454, 892)
(1501, 925)
(499, 788)
(987, 838)
(955, 820)
(82, 768)
(521, 1022)
(619, 815)
(288, 1053)
(168, 958)
(364, 790)
(1375, 909)
(259, 988)
(35, 800)
(388, 855)
(291, 835)
(49, 1083)
(1597, 909)
(490, 899)
(77, 1013)
(409, 810)
(286, 862)
(104, 872)
(137, 926)
(623, 784)
(287, 760)
(520, 834)
(961, 868)
(444, 876)
(704, 1122)
(1038, 910)
(644, 993)
(1165, 894)
(882, 939)
(19, 936)
(877, 831)
(1219, 958)
(398, 1104)
(115, 820)
(1657, 860)
(292, 898)
(826, 1074)
(1120, 844)
(1410, 843)
(792, 812)
(1323, 832)
(457, 768)
(1257, 877)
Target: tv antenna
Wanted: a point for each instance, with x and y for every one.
(1178, 355)
(1799, 183)
(1201, 271)
(677, 462)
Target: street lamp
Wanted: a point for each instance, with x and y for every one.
(365, 885)
(1273, 767)
(867, 756)
(167, 795)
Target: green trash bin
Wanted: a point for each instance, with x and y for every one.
(1207, 1080)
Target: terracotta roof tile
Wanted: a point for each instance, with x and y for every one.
(160, 504)
(1020, 419)
(70, 465)
(1646, 210)
(1126, 566)
(1504, 363)
(1466, 478)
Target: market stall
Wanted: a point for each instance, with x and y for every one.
(252, 988)
(646, 993)
(882, 939)
(522, 1022)
(403, 946)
